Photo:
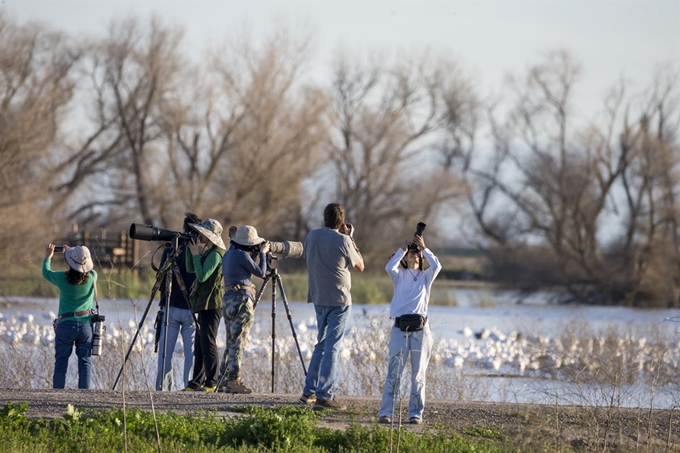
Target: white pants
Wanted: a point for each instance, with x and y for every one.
(402, 344)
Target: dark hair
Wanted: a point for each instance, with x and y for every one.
(190, 217)
(73, 277)
(420, 261)
(334, 215)
(246, 248)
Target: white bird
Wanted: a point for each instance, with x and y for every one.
(26, 317)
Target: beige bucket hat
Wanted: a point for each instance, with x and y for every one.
(79, 258)
(212, 229)
(247, 235)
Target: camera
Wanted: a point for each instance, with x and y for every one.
(419, 232)
(143, 232)
(350, 229)
(98, 332)
(58, 249)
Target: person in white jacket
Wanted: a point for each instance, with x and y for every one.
(411, 334)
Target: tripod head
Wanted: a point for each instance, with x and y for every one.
(171, 251)
(272, 261)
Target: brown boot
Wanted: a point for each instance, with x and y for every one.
(236, 386)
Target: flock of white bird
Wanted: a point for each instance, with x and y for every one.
(485, 350)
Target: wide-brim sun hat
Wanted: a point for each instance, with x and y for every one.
(247, 235)
(79, 259)
(212, 229)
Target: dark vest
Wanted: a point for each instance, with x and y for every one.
(208, 295)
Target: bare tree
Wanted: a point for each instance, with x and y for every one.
(542, 196)
(254, 138)
(389, 121)
(133, 73)
(36, 86)
(649, 243)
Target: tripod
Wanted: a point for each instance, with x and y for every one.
(172, 251)
(273, 275)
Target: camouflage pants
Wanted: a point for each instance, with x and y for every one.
(238, 318)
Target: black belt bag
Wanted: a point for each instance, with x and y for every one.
(410, 323)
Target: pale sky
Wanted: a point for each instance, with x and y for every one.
(609, 38)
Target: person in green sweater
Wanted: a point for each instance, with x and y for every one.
(74, 323)
(205, 260)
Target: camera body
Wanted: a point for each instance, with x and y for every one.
(419, 232)
(58, 249)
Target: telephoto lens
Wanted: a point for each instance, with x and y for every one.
(419, 232)
(286, 249)
(98, 332)
(143, 232)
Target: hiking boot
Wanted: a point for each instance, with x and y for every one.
(308, 399)
(328, 404)
(415, 420)
(236, 386)
(384, 419)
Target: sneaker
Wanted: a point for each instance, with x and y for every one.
(415, 420)
(206, 389)
(384, 419)
(190, 388)
(308, 399)
(236, 386)
(328, 404)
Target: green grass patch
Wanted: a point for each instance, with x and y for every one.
(481, 431)
(123, 284)
(286, 429)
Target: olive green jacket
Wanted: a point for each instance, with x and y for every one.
(209, 289)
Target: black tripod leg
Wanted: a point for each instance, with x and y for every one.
(159, 280)
(290, 321)
(168, 289)
(276, 278)
(258, 295)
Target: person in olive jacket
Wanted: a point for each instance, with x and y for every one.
(205, 260)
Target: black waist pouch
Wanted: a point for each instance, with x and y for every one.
(410, 323)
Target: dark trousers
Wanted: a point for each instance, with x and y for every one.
(206, 358)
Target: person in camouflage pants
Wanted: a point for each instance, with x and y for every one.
(239, 265)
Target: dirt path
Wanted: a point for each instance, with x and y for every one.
(580, 427)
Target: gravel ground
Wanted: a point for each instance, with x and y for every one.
(582, 428)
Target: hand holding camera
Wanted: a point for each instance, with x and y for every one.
(417, 246)
(265, 246)
(51, 249)
(419, 242)
(194, 246)
(348, 229)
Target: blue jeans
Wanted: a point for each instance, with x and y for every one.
(417, 345)
(331, 323)
(71, 333)
(180, 320)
